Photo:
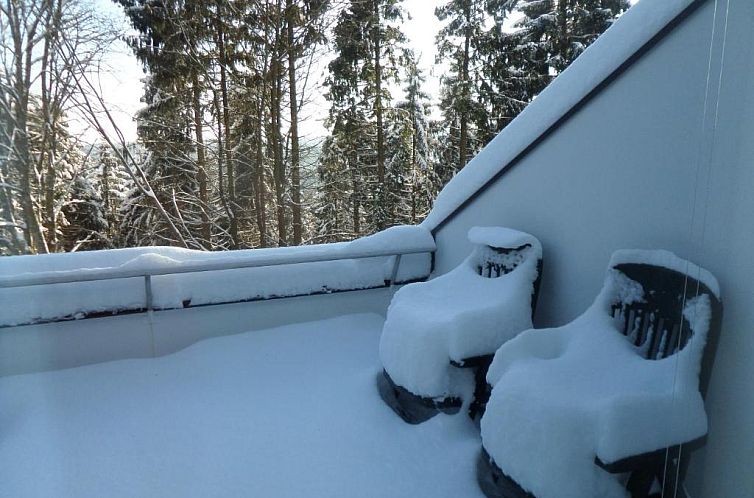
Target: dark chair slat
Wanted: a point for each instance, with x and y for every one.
(654, 344)
(646, 324)
(628, 313)
(674, 340)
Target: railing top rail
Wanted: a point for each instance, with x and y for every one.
(297, 255)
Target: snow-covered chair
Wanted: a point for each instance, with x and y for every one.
(613, 393)
(458, 320)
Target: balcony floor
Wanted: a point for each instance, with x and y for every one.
(286, 412)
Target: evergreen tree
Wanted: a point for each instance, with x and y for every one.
(165, 126)
(56, 163)
(366, 41)
(333, 193)
(85, 225)
(114, 185)
(549, 35)
(411, 182)
(460, 44)
(305, 28)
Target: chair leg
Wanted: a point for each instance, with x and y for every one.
(663, 468)
(411, 408)
(668, 472)
(481, 390)
(640, 482)
(494, 483)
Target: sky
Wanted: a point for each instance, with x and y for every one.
(122, 87)
(119, 79)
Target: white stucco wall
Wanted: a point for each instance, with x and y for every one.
(631, 169)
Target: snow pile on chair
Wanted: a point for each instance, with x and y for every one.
(459, 315)
(565, 395)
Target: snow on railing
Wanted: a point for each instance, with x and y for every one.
(176, 278)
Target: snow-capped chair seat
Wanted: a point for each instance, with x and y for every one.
(608, 393)
(458, 319)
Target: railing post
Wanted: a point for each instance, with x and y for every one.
(148, 290)
(396, 265)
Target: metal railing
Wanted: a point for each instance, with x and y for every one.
(263, 258)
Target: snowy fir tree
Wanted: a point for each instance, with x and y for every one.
(334, 200)
(411, 181)
(58, 158)
(549, 35)
(172, 174)
(113, 184)
(366, 41)
(86, 226)
(459, 45)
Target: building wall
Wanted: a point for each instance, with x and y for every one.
(640, 167)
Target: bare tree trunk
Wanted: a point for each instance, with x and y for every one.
(356, 198)
(17, 245)
(51, 112)
(201, 161)
(221, 143)
(33, 230)
(261, 187)
(24, 42)
(464, 117)
(562, 20)
(50, 180)
(277, 139)
(107, 203)
(414, 168)
(46, 160)
(223, 120)
(295, 151)
(381, 191)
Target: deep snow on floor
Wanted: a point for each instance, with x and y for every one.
(285, 412)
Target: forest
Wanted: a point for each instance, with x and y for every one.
(221, 161)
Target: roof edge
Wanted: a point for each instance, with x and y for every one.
(632, 36)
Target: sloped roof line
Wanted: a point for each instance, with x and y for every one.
(632, 36)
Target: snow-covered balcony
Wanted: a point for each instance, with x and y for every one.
(167, 298)
(644, 142)
(288, 408)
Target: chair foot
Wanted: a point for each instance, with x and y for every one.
(411, 408)
(494, 483)
(480, 365)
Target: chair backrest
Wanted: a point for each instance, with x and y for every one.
(493, 262)
(657, 325)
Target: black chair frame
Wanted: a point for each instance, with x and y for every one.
(658, 329)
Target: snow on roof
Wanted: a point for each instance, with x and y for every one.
(666, 259)
(630, 32)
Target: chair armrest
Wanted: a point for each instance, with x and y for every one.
(631, 463)
(639, 423)
(541, 344)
